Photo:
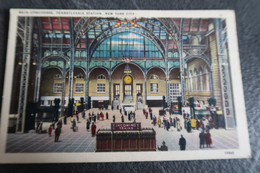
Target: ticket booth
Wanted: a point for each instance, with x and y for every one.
(126, 137)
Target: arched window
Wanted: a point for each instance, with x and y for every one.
(200, 80)
(101, 76)
(154, 77)
(206, 79)
(128, 44)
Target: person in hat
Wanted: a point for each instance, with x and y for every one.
(182, 143)
(163, 147)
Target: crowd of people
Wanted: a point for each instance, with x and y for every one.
(188, 122)
(169, 122)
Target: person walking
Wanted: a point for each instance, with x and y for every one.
(193, 123)
(50, 130)
(168, 125)
(83, 113)
(98, 116)
(178, 124)
(95, 118)
(93, 129)
(114, 118)
(151, 113)
(57, 134)
(202, 139)
(159, 122)
(208, 139)
(77, 116)
(107, 115)
(182, 143)
(122, 118)
(74, 125)
(88, 125)
(188, 126)
(146, 115)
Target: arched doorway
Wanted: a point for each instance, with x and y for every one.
(127, 85)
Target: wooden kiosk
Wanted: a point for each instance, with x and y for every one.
(125, 137)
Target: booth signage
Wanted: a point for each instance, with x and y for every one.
(125, 126)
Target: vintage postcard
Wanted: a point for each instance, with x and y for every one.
(115, 86)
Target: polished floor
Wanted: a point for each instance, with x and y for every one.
(82, 141)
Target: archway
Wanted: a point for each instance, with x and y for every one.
(127, 85)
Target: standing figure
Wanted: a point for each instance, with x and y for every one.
(77, 116)
(151, 113)
(174, 122)
(202, 139)
(95, 118)
(129, 116)
(107, 115)
(168, 125)
(184, 114)
(146, 115)
(57, 134)
(178, 124)
(122, 118)
(102, 115)
(50, 130)
(208, 139)
(74, 125)
(185, 123)
(171, 122)
(114, 118)
(193, 123)
(83, 113)
(39, 129)
(93, 129)
(188, 126)
(198, 124)
(182, 143)
(88, 125)
(59, 124)
(163, 147)
(164, 122)
(98, 116)
(154, 120)
(159, 122)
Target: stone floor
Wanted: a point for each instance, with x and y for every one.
(81, 141)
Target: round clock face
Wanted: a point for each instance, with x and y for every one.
(128, 79)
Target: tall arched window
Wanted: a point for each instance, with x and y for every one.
(206, 79)
(127, 44)
(200, 79)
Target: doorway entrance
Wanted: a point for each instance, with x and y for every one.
(128, 88)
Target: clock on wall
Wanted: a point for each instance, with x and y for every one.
(127, 79)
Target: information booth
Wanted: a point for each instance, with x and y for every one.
(125, 137)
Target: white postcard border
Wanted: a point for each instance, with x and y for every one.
(237, 88)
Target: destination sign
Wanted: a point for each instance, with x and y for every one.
(125, 126)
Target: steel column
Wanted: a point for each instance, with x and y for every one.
(72, 56)
(38, 63)
(182, 65)
(22, 104)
